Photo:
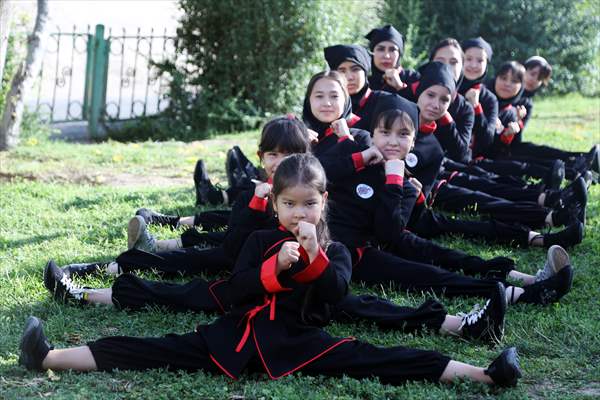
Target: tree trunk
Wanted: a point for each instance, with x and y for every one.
(23, 80)
(6, 13)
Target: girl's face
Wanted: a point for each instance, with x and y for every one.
(532, 79)
(299, 203)
(475, 63)
(394, 143)
(434, 102)
(450, 55)
(327, 100)
(355, 76)
(385, 55)
(270, 160)
(507, 85)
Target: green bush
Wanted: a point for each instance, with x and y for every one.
(246, 60)
(562, 31)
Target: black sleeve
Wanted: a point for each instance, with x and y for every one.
(332, 285)
(455, 134)
(529, 107)
(339, 161)
(242, 222)
(484, 128)
(506, 117)
(393, 213)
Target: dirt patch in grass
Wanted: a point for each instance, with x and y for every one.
(103, 178)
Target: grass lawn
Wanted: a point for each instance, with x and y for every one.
(71, 202)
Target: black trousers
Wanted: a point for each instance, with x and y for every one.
(134, 293)
(191, 237)
(503, 166)
(377, 267)
(535, 152)
(212, 220)
(453, 198)
(189, 352)
(189, 260)
(433, 224)
(494, 188)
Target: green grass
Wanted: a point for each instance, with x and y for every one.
(71, 202)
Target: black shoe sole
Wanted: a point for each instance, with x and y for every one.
(500, 298)
(30, 337)
(49, 279)
(510, 365)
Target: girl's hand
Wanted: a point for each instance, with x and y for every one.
(392, 78)
(394, 167)
(372, 156)
(340, 128)
(262, 190)
(313, 136)
(513, 128)
(307, 237)
(415, 182)
(472, 96)
(521, 112)
(499, 126)
(288, 254)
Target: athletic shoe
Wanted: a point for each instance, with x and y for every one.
(593, 158)
(487, 323)
(549, 290)
(236, 176)
(83, 269)
(206, 193)
(34, 345)
(557, 259)
(568, 237)
(565, 215)
(152, 217)
(505, 369)
(138, 236)
(555, 175)
(62, 286)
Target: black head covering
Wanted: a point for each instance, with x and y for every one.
(336, 55)
(387, 32)
(466, 84)
(436, 73)
(394, 102)
(313, 123)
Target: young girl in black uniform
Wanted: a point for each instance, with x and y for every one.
(375, 212)
(283, 283)
(387, 46)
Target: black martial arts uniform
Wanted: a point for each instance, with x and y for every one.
(274, 326)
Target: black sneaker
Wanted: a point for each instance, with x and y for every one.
(249, 169)
(505, 369)
(206, 193)
(83, 269)
(62, 286)
(34, 345)
(549, 290)
(555, 175)
(565, 215)
(570, 236)
(235, 173)
(487, 323)
(593, 158)
(152, 217)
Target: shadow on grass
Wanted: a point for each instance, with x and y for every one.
(11, 244)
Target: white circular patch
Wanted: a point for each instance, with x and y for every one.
(411, 159)
(364, 191)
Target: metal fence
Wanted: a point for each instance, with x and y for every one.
(87, 76)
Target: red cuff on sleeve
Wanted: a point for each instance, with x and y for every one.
(258, 203)
(314, 269)
(420, 199)
(506, 139)
(478, 109)
(359, 163)
(393, 179)
(268, 275)
(446, 119)
(345, 137)
(521, 124)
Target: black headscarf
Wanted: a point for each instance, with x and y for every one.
(395, 102)
(320, 127)
(336, 55)
(480, 42)
(388, 33)
(435, 73)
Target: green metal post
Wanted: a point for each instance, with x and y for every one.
(97, 96)
(89, 69)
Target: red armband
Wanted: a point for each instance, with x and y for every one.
(393, 179)
(506, 139)
(314, 269)
(521, 124)
(477, 108)
(268, 275)
(345, 137)
(359, 162)
(420, 199)
(258, 203)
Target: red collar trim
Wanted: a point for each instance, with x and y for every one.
(270, 180)
(476, 86)
(506, 107)
(364, 99)
(428, 128)
(282, 228)
(353, 120)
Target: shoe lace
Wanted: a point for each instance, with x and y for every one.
(72, 288)
(473, 316)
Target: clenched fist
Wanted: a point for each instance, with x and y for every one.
(288, 254)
